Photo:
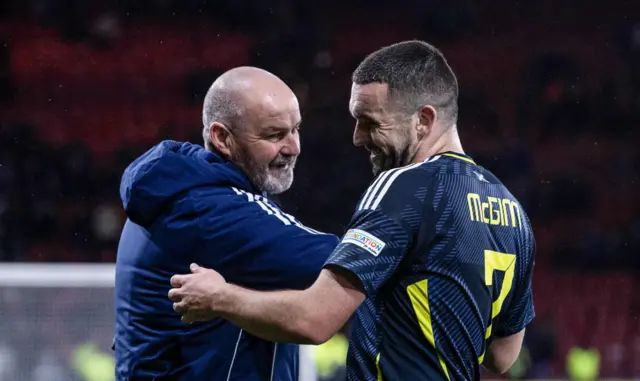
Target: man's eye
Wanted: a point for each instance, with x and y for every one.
(369, 124)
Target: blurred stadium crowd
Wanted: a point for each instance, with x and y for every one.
(550, 101)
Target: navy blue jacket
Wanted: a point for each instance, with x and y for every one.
(185, 204)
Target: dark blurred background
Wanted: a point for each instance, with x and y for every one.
(550, 102)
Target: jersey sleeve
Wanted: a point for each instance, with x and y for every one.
(520, 311)
(383, 227)
(253, 243)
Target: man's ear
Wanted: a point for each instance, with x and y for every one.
(220, 138)
(427, 116)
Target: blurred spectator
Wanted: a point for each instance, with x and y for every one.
(7, 87)
(106, 223)
(105, 30)
(540, 341)
(7, 362)
(49, 368)
(583, 364)
(330, 359)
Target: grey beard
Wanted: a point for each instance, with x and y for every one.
(261, 177)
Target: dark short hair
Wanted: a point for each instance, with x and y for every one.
(417, 74)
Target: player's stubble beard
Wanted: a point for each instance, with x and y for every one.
(399, 153)
(273, 178)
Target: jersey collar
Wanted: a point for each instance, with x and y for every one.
(457, 155)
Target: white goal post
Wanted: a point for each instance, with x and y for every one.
(57, 275)
(47, 309)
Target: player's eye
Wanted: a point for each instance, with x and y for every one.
(369, 123)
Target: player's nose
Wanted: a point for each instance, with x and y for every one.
(360, 137)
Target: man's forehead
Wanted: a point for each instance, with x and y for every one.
(367, 99)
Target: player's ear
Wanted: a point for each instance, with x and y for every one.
(427, 116)
(220, 138)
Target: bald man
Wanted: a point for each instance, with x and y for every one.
(210, 205)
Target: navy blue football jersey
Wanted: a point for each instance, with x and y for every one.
(445, 254)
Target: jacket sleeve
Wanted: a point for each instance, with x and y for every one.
(251, 242)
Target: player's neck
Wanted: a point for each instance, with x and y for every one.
(449, 141)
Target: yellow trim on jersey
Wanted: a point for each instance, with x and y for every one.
(378, 367)
(419, 295)
(460, 157)
(486, 337)
(495, 261)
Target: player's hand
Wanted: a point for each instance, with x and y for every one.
(196, 295)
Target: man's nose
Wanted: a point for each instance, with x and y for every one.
(292, 145)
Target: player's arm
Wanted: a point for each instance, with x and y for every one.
(510, 326)
(311, 316)
(503, 352)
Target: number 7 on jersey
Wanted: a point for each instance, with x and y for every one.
(494, 260)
